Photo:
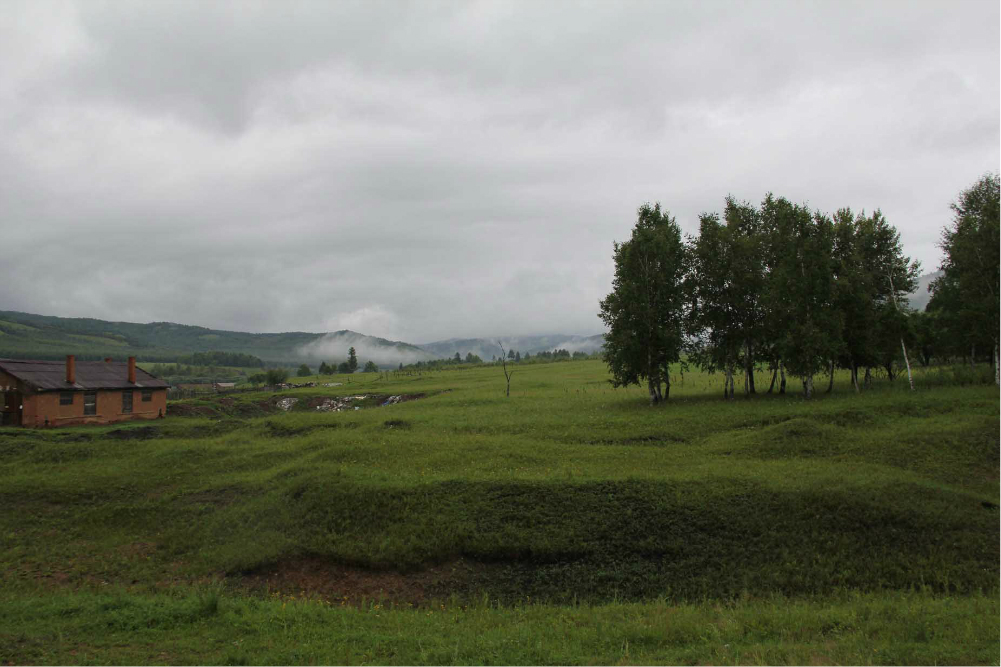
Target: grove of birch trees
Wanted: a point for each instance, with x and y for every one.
(794, 292)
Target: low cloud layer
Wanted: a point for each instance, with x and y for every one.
(333, 348)
(420, 172)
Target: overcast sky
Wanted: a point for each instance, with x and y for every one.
(433, 170)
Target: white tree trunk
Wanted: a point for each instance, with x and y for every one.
(651, 378)
(893, 295)
(910, 378)
(997, 372)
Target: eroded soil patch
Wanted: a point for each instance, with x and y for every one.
(650, 440)
(279, 403)
(314, 577)
(279, 430)
(188, 410)
(140, 433)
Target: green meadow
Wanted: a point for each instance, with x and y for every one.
(569, 523)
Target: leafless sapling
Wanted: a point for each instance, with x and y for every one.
(507, 376)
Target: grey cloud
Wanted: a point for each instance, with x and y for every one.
(424, 171)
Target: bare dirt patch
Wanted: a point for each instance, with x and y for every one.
(652, 440)
(278, 403)
(314, 577)
(185, 410)
(141, 433)
(137, 550)
(217, 497)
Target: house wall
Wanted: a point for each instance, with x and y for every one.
(8, 402)
(45, 405)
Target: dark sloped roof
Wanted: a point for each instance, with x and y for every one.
(51, 375)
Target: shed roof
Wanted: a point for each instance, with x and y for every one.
(51, 375)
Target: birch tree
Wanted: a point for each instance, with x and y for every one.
(644, 312)
(801, 289)
(716, 315)
(968, 292)
(747, 280)
(854, 296)
(893, 276)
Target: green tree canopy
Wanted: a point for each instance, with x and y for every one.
(276, 376)
(726, 283)
(645, 310)
(967, 295)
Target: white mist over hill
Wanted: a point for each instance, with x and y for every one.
(333, 348)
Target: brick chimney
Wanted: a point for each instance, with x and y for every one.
(132, 370)
(70, 369)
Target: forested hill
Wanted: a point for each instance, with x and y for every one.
(25, 335)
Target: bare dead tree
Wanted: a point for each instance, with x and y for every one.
(507, 376)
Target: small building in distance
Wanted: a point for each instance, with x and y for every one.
(54, 393)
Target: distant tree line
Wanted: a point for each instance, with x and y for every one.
(511, 356)
(345, 367)
(794, 291)
(187, 372)
(235, 359)
(271, 377)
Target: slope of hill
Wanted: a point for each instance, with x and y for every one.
(486, 348)
(920, 297)
(24, 335)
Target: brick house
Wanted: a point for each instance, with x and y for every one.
(54, 393)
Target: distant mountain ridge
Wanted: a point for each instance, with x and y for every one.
(26, 335)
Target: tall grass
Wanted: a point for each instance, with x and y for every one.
(114, 628)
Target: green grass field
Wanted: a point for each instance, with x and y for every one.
(569, 523)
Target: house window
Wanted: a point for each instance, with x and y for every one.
(66, 398)
(127, 401)
(147, 395)
(90, 402)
